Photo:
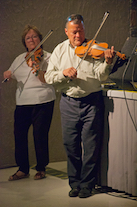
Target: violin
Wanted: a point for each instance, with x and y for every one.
(95, 50)
(37, 57)
(92, 47)
(30, 54)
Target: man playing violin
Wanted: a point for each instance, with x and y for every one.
(81, 105)
(34, 104)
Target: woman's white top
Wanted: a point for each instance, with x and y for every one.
(30, 90)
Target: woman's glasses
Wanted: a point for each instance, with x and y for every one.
(32, 37)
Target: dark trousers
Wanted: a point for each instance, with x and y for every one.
(82, 128)
(40, 117)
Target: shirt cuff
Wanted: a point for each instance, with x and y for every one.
(61, 76)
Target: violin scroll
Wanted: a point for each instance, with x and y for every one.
(122, 56)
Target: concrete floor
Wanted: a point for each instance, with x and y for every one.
(50, 192)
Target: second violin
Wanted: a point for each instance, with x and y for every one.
(37, 57)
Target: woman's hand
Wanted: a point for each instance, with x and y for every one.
(7, 74)
(41, 76)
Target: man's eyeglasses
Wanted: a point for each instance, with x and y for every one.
(75, 16)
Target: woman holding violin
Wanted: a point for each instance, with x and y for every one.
(81, 104)
(34, 104)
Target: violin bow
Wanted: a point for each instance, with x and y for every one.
(31, 53)
(103, 21)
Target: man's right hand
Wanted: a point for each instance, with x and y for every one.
(70, 72)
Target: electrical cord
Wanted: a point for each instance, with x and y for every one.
(123, 77)
(133, 71)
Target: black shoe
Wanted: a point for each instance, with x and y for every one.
(85, 193)
(74, 192)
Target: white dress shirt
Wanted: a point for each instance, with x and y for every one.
(89, 73)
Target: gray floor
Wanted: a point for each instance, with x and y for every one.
(50, 192)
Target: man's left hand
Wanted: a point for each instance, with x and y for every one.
(109, 55)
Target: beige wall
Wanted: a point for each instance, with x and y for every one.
(47, 15)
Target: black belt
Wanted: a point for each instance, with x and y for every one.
(85, 97)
